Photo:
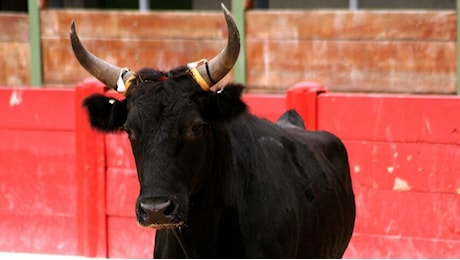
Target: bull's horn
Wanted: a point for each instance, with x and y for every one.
(100, 69)
(221, 64)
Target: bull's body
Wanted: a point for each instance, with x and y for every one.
(270, 192)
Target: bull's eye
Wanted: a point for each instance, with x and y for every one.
(194, 130)
(197, 128)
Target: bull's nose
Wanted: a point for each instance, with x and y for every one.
(156, 211)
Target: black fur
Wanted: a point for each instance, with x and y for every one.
(222, 105)
(291, 118)
(106, 114)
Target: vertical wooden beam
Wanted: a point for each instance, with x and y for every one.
(35, 44)
(240, 65)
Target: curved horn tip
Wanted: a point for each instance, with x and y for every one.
(100, 69)
(72, 26)
(230, 21)
(224, 8)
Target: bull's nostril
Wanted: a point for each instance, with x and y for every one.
(170, 209)
(158, 211)
(142, 214)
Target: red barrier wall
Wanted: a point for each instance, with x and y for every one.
(38, 195)
(404, 154)
(68, 191)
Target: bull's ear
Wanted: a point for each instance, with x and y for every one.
(105, 113)
(222, 105)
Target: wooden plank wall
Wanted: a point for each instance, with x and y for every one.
(368, 51)
(162, 40)
(14, 50)
(365, 51)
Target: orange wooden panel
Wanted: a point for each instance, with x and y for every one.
(161, 40)
(370, 66)
(349, 25)
(14, 27)
(15, 63)
(372, 51)
(61, 67)
(14, 49)
(135, 25)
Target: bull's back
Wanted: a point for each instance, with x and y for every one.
(291, 119)
(323, 143)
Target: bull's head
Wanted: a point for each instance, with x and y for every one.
(168, 117)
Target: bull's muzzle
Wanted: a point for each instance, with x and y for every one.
(157, 213)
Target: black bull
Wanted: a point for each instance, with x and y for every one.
(219, 182)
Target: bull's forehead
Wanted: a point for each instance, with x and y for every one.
(149, 84)
(156, 103)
